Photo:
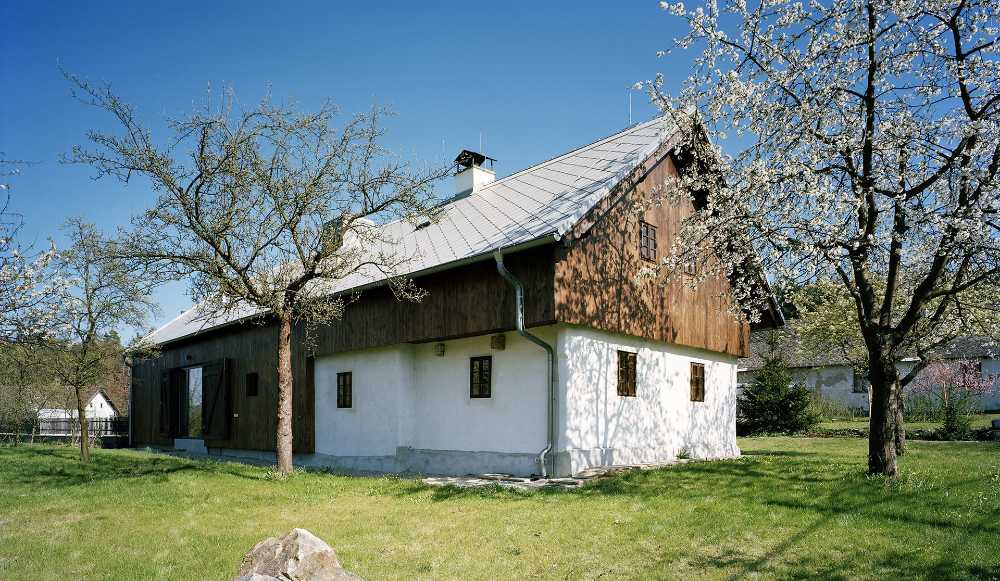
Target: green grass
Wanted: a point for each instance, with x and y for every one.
(790, 508)
(978, 421)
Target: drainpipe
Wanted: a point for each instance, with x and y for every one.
(544, 457)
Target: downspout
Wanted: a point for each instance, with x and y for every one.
(544, 457)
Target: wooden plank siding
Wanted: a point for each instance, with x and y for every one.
(595, 276)
(464, 301)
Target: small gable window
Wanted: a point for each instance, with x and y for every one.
(480, 373)
(626, 373)
(697, 382)
(345, 389)
(647, 241)
(252, 384)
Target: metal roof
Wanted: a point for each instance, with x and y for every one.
(543, 201)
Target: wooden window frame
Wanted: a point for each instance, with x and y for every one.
(647, 241)
(252, 384)
(697, 381)
(628, 362)
(345, 390)
(480, 387)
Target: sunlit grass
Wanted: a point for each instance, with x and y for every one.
(790, 508)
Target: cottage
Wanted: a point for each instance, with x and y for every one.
(833, 377)
(535, 351)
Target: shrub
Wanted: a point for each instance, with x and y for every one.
(952, 389)
(772, 402)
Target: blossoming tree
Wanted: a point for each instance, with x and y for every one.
(29, 288)
(863, 147)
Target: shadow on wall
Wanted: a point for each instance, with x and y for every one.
(660, 421)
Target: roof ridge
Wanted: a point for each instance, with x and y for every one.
(594, 143)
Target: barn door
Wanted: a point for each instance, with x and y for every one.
(217, 407)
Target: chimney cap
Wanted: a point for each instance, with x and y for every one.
(467, 159)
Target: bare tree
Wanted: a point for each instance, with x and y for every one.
(265, 210)
(107, 294)
(866, 149)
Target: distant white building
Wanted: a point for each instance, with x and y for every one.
(99, 406)
(835, 379)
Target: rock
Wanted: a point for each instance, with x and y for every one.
(297, 556)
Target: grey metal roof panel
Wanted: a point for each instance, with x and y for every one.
(545, 199)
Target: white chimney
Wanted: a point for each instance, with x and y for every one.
(471, 175)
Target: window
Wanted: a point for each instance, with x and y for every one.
(691, 268)
(647, 241)
(345, 388)
(251, 385)
(697, 382)
(480, 370)
(861, 383)
(626, 373)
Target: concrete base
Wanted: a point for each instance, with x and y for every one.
(190, 445)
(406, 461)
(574, 461)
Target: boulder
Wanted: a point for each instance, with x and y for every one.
(296, 556)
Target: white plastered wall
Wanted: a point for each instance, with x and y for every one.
(597, 426)
(407, 396)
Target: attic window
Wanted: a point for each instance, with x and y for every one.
(647, 241)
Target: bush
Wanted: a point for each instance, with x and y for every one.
(772, 403)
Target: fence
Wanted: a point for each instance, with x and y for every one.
(112, 432)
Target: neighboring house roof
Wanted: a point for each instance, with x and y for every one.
(787, 345)
(543, 201)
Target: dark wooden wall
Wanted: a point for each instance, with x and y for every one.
(595, 277)
(468, 300)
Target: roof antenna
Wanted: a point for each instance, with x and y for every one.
(628, 91)
(480, 140)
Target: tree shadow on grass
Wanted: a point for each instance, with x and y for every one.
(58, 467)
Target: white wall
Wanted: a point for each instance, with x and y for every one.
(375, 424)
(992, 400)
(599, 426)
(513, 420)
(405, 395)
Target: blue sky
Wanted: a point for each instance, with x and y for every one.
(536, 78)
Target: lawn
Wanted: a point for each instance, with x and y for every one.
(790, 508)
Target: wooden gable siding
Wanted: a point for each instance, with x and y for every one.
(467, 300)
(595, 277)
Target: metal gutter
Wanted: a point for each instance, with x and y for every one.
(544, 457)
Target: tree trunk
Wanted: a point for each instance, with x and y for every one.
(898, 423)
(882, 433)
(81, 414)
(283, 445)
